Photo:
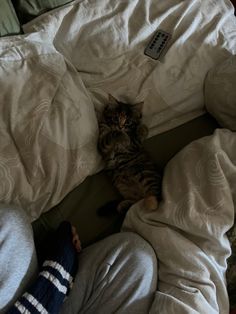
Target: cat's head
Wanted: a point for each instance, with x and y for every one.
(122, 116)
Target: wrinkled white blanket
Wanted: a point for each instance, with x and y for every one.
(105, 41)
(53, 78)
(188, 231)
(48, 127)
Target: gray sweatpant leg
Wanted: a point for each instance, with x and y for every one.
(18, 262)
(116, 275)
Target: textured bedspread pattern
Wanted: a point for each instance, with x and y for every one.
(48, 127)
(105, 41)
(188, 231)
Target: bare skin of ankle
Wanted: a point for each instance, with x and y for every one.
(75, 240)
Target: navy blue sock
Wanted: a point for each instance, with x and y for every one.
(54, 281)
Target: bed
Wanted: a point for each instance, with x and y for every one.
(59, 72)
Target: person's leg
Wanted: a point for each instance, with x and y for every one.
(18, 262)
(53, 283)
(116, 275)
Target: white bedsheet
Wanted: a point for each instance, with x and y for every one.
(188, 231)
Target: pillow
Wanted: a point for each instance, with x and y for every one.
(220, 93)
(29, 9)
(9, 24)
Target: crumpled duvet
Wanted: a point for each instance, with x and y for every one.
(48, 127)
(188, 231)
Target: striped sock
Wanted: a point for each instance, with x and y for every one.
(55, 279)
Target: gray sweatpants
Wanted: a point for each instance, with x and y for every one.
(116, 275)
(18, 262)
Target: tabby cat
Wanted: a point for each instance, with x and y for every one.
(121, 136)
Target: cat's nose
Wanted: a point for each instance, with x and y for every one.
(122, 121)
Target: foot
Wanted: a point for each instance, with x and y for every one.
(75, 239)
(56, 276)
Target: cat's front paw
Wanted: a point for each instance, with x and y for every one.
(142, 132)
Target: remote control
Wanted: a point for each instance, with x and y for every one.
(157, 45)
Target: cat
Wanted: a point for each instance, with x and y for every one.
(120, 142)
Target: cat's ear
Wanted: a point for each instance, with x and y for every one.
(112, 100)
(139, 106)
(137, 109)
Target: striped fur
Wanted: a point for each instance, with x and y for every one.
(120, 143)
